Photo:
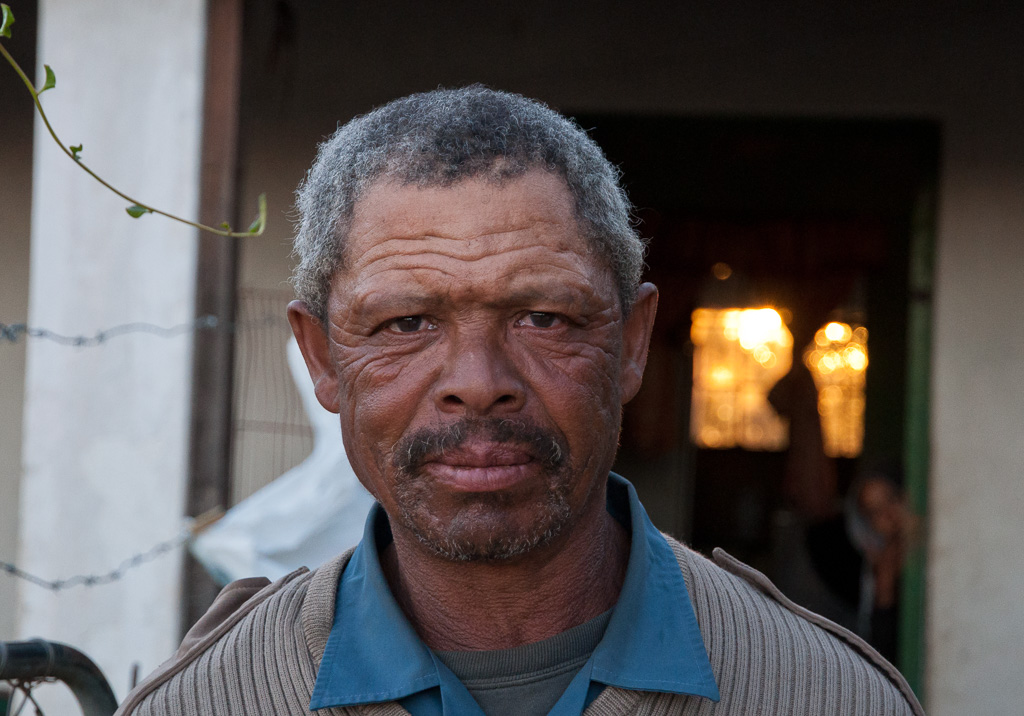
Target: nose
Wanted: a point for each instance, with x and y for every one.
(479, 378)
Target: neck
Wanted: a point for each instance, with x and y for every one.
(467, 606)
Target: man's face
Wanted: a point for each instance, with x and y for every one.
(478, 357)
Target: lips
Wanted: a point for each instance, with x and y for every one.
(482, 467)
(483, 455)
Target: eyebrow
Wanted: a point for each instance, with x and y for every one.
(380, 302)
(529, 295)
(572, 298)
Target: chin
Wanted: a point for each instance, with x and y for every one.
(486, 528)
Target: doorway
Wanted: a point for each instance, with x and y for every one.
(825, 221)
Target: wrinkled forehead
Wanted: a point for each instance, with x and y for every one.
(515, 233)
(477, 216)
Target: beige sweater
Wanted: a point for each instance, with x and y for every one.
(258, 649)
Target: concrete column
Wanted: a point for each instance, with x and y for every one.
(975, 623)
(105, 429)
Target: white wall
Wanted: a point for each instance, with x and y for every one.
(106, 428)
(957, 63)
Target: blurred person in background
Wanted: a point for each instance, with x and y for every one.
(856, 543)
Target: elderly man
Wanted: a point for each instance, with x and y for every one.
(470, 306)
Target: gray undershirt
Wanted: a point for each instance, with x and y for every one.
(527, 679)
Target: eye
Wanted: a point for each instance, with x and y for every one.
(411, 324)
(540, 319)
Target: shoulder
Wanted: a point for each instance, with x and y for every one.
(764, 647)
(259, 643)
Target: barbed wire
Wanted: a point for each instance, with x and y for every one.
(93, 580)
(13, 332)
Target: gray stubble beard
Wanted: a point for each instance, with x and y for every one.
(450, 540)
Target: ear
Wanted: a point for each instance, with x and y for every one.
(311, 335)
(636, 337)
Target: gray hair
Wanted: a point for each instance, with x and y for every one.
(440, 138)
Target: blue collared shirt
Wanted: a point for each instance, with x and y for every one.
(652, 642)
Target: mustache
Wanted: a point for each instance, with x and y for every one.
(426, 443)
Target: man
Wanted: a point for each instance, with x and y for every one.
(470, 306)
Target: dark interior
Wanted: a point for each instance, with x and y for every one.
(814, 216)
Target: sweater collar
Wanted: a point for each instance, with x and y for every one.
(652, 642)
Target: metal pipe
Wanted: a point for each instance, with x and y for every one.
(38, 659)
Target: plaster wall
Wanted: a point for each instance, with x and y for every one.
(106, 427)
(322, 63)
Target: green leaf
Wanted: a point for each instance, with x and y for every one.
(260, 223)
(225, 225)
(135, 211)
(51, 80)
(76, 149)
(5, 28)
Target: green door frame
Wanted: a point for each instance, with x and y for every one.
(917, 435)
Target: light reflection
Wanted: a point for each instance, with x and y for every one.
(837, 332)
(739, 354)
(838, 360)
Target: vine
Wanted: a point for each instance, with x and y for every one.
(136, 208)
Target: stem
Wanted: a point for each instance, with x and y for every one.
(153, 210)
